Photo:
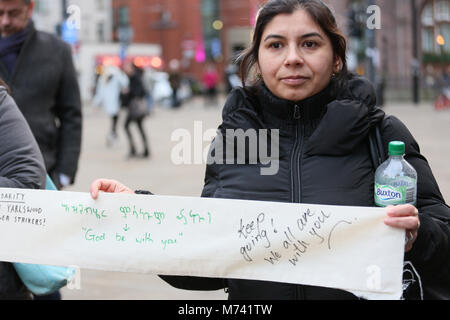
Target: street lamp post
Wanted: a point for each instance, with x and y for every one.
(64, 10)
(371, 45)
(415, 63)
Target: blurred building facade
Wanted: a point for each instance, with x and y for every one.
(190, 31)
(95, 18)
(92, 37)
(413, 39)
(193, 31)
(196, 31)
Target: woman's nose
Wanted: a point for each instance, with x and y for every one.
(293, 57)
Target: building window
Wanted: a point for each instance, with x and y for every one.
(445, 33)
(124, 16)
(123, 31)
(436, 27)
(427, 15)
(211, 29)
(428, 40)
(100, 5)
(101, 32)
(442, 10)
(41, 7)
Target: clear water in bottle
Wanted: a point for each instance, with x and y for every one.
(395, 179)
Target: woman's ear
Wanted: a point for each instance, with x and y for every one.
(258, 71)
(337, 66)
(257, 68)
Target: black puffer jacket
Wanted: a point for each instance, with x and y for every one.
(324, 159)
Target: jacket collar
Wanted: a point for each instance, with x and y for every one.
(335, 120)
(311, 108)
(31, 32)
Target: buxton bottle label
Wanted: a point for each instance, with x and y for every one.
(386, 195)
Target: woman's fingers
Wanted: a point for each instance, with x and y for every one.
(407, 223)
(95, 187)
(404, 217)
(106, 185)
(402, 211)
(411, 226)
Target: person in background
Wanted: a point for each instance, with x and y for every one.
(210, 81)
(21, 166)
(149, 85)
(175, 82)
(39, 70)
(135, 101)
(232, 80)
(109, 87)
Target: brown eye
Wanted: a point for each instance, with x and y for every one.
(275, 45)
(310, 44)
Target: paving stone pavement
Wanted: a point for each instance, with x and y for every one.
(158, 174)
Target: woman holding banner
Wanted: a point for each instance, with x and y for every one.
(295, 80)
(21, 166)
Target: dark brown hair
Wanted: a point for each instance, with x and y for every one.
(319, 12)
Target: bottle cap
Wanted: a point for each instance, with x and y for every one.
(396, 148)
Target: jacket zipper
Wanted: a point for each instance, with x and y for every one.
(299, 293)
(296, 156)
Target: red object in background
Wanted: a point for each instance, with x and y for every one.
(442, 102)
(154, 62)
(210, 79)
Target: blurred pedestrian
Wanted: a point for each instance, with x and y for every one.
(21, 166)
(175, 82)
(135, 101)
(149, 85)
(445, 81)
(109, 87)
(442, 100)
(210, 81)
(39, 70)
(232, 79)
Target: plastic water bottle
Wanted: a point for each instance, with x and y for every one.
(395, 179)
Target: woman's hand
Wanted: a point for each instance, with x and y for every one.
(404, 217)
(111, 186)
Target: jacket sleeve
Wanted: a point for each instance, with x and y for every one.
(430, 253)
(69, 114)
(217, 148)
(21, 162)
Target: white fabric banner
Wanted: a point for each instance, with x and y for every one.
(349, 248)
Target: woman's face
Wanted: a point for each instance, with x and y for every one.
(296, 58)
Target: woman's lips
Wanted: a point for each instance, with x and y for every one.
(294, 81)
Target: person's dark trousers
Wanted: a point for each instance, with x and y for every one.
(114, 121)
(175, 102)
(139, 123)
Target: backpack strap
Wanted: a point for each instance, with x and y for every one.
(377, 153)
